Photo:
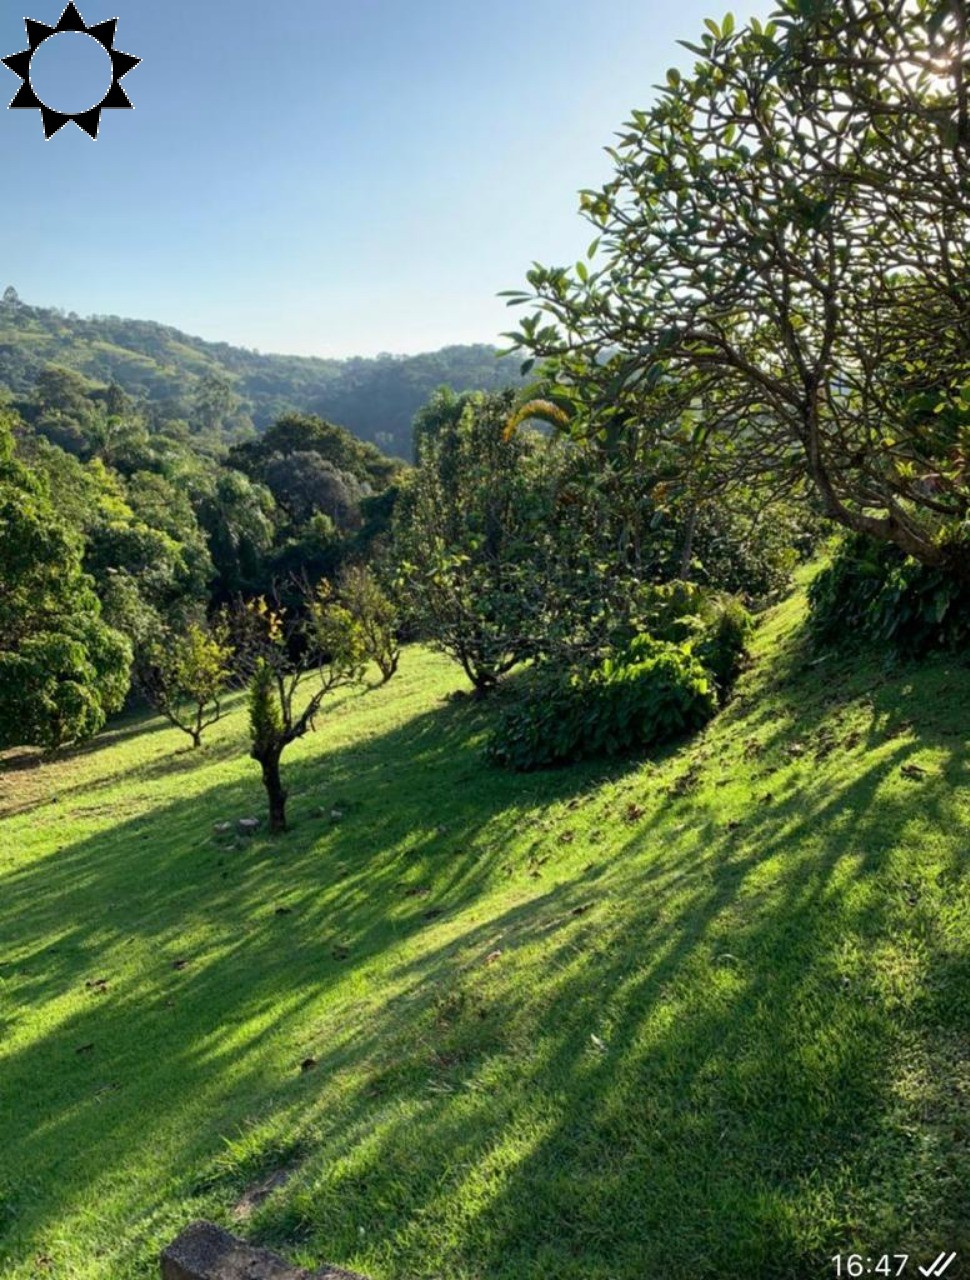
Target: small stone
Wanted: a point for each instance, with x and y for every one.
(248, 826)
(222, 828)
(336, 815)
(205, 1252)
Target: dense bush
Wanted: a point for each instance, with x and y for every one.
(651, 692)
(715, 625)
(722, 645)
(872, 593)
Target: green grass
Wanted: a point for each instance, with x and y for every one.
(705, 1016)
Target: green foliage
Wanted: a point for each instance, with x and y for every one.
(464, 535)
(871, 594)
(374, 615)
(673, 653)
(63, 671)
(336, 636)
(304, 434)
(722, 645)
(186, 675)
(236, 516)
(59, 686)
(716, 626)
(745, 550)
(777, 296)
(304, 485)
(217, 392)
(143, 543)
(280, 650)
(265, 715)
(649, 693)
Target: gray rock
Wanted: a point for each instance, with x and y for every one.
(222, 828)
(248, 826)
(205, 1252)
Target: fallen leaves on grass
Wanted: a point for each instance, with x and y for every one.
(914, 772)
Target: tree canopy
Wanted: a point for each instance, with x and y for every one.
(781, 256)
(62, 669)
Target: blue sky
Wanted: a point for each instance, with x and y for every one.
(327, 177)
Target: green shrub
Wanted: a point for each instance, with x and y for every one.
(722, 645)
(651, 692)
(716, 626)
(872, 594)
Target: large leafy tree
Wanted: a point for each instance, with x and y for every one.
(781, 256)
(237, 517)
(464, 531)
(62, 669)
(304, 484)
(302, 433)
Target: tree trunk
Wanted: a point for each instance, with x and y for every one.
(270, 765)
(687, 554)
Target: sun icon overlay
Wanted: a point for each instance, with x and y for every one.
(114, 99)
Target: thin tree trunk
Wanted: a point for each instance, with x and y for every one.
(275, 792)
(688, 552)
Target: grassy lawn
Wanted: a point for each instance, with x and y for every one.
(705, 1016)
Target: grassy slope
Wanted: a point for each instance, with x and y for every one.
(705, 1016)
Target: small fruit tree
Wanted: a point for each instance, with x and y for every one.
(283, 652)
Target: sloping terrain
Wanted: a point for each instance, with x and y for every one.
(700, 1016)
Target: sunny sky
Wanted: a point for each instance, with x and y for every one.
(325, 177)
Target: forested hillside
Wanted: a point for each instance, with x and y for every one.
(186, 378)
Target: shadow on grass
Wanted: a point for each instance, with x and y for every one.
(191, 954)
(697, 1056)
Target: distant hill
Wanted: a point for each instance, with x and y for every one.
(376, 398)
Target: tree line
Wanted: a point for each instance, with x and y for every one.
(224, 393)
